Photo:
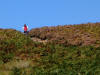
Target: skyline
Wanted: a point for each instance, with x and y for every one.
(36, 13)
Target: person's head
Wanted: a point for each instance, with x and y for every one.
(24, 25)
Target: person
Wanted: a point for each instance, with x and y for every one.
(25, 29)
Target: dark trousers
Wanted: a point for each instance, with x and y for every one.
(25, 32)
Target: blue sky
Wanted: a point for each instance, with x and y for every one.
(39, 13)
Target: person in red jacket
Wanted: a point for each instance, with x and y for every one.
(25, 29)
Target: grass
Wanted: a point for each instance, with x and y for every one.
(60, 61)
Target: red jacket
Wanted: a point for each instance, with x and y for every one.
(25, 28)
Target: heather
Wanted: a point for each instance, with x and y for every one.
(83, 34)
(68, 50)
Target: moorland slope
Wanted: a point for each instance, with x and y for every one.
(68, 50)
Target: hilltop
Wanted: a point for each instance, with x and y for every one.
(83, 34)
(59, 50)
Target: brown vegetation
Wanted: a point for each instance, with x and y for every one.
(83, 34)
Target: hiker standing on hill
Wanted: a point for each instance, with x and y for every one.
(25, 29)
